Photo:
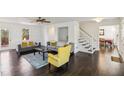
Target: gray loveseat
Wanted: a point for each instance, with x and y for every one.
(22, 50)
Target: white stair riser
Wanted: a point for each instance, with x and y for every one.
(86, 44)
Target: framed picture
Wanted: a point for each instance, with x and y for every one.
(25, 34)
(101, 32)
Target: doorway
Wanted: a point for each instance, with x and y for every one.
(63, 34)
(108, 36)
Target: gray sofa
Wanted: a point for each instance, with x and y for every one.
(23, 50)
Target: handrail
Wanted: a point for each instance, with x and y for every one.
(87, 33)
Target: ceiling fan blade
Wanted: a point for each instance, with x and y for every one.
(43, 19)
(40, 20)
(47, 21)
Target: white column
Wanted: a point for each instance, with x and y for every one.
(76, 36)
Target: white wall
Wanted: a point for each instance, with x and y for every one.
(121, 39)
(53, 31)
(36, 33)
(91, 28)
(73, 32)
(109, 22)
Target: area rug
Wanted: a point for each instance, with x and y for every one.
(36, 60)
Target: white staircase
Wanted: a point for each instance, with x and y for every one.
(86, 42)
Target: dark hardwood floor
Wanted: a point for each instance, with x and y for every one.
(81, 64)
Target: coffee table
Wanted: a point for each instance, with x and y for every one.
(41, 50)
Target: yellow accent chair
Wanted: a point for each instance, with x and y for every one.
(61, 58)
(53, 43)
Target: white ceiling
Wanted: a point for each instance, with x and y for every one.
(29, 20)
(67, 19)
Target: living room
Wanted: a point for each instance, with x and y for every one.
(29, 43)
(17, 31)
(86, 25)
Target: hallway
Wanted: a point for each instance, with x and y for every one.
(81, 64)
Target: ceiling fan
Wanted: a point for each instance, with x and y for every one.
(41, 20)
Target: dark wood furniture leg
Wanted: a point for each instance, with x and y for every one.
(39, 52)
(49, 66)
(34, 52)
(43, 55)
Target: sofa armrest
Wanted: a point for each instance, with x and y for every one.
(19, 47)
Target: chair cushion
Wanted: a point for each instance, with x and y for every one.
(30, 43)
(61, 58)
(24, 44)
